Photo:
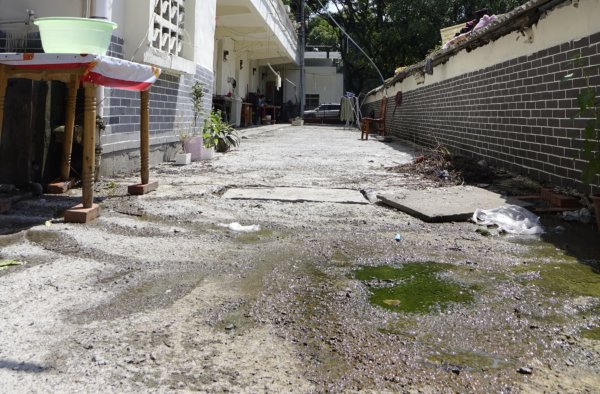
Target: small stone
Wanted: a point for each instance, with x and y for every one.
(569, 362)
(525, 370)
(230, 326)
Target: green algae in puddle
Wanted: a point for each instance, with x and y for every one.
(413, 287)
(564, 278)
(591, 333)
(253, 236)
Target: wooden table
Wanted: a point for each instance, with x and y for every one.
(246, 114)
(275, 109)
(90, 71)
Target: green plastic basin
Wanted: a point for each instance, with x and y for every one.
(75, 35)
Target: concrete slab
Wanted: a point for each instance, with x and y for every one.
(444, 204)
(297, 194)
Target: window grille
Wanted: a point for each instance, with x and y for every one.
(168, 33)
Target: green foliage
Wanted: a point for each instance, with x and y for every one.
(197, 94)
(589, 108)
(392, 32)
(219, 134)
(322, 33)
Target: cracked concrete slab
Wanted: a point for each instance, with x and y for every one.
(444, 204)
(297, 194)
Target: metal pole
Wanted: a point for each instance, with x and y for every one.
(302, 48)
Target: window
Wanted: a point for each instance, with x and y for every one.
(311, 101)
(168, 30)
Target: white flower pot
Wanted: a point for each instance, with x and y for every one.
(207, 153)
(183, 159)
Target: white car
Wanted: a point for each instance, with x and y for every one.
(324, 112)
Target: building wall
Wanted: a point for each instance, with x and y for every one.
(515, 110)
(170, 101)
(325, 82)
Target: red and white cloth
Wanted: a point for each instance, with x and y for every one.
(99, 69)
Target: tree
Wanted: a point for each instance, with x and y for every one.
(393, 32)
(322, 33)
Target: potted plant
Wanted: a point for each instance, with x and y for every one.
(182, 157)
(219, 135)
(192, 142)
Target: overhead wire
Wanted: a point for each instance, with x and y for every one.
(355, 44)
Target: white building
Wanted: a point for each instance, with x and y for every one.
(214, 42)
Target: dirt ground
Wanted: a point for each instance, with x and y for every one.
(157, 296)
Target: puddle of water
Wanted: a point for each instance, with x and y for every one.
(565, 278)
(253, 237)
(468, 360)
(413, 287)
(591, 333)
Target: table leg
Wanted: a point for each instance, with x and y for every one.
(87, 210)
(146, 186)
(69, 126)
(3, 83)
(65, 183)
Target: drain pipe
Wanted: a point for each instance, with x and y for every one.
(86, 9)
(100, 9)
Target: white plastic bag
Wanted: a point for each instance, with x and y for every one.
(235, 226)
(511, 219)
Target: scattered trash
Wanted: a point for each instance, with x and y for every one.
(582, 215)
(9, 263)
(511, 219)
(235, 226)
(397, 238)
(443, 174)
(419, 159)
(482, 163)
(48, 223)
(559, 229)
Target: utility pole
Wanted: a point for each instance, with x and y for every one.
(302, 48)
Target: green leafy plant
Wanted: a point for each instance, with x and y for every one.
(589, 108)
(219, 134)
(197, 95)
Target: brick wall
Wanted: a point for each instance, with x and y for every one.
(171, 113)
(516, 114)
(170, 106)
